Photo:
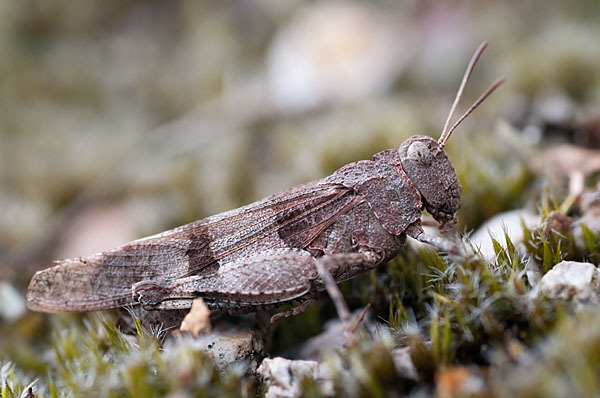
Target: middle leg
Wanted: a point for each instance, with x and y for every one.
(338, 267)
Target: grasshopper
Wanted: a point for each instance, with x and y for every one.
(284, 248)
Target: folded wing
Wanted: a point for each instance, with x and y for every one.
(104, 280)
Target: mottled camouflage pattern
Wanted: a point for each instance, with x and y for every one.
(265, 253)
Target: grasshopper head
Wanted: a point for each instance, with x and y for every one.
(430, 171)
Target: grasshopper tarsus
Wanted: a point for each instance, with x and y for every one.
(292, 311)
(439, 243)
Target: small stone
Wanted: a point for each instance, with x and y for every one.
(571, 280)
(197, 321)
(233, 344)
(284, 376)
(236, 346)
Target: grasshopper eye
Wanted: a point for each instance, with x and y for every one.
(419, 153)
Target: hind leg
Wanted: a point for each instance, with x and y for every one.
(271, 277)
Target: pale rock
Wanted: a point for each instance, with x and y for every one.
(12, 303)
(283, 377)
(509, 222)
(233, 345)
(229, 344)
(570, 280)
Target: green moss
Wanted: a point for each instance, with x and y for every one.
(566, 363)
(95, 359)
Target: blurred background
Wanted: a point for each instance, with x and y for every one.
(120, 119)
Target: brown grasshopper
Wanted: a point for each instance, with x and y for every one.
(284, 248)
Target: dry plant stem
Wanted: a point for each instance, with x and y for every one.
(350, 328)
(359, 318)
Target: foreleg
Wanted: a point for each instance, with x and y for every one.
(416, 232)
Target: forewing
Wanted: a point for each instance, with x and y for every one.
(104, 280)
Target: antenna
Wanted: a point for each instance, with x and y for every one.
(446, 133)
